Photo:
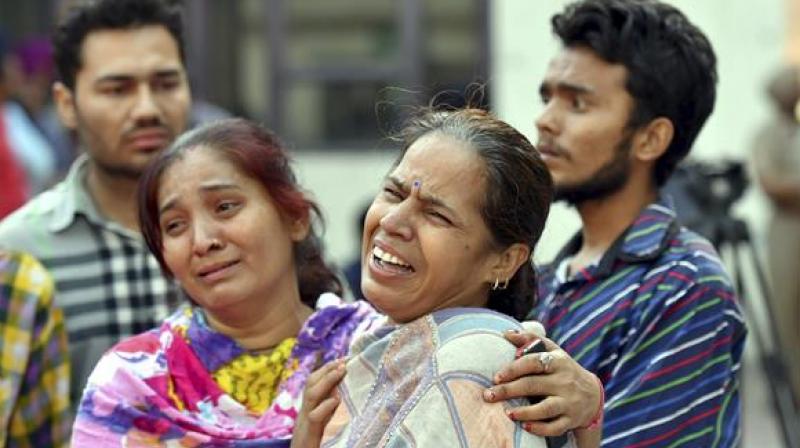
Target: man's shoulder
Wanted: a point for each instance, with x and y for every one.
(689, 251)
(30, 227)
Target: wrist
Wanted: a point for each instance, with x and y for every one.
(597, 419)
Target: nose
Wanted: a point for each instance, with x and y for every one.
(397, 221)
(146, 110)
(206, 239)
(548, 122)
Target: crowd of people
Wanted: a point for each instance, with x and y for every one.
(172, 289)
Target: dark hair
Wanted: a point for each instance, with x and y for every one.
(670, 63)
(94, 15)
(259, 155)
(518, 194)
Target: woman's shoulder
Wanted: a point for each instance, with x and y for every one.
(471, 341)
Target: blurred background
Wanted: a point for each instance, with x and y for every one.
(335, 77)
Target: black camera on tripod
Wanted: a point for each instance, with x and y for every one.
(704, 193)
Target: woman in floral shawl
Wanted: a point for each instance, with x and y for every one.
(223, 214)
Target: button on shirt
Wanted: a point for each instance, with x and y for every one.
(657, 320)
(107, 282)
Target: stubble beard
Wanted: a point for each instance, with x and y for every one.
(607, 180)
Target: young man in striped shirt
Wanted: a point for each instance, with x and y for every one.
(634, 299)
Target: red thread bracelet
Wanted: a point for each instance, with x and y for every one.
(598, 416)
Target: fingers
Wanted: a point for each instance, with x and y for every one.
(324, 411)
(547, 409)
(524, 387)
(553, 428)
(321, 384)
(532, 364)
(519, 338)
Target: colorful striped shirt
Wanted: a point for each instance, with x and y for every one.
(34, 366)
(658, 321)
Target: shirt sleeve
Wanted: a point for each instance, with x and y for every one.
(35, 366)
(675, 380)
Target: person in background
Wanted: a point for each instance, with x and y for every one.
(634, 299)
(13, 184)
(34, 62)
(222, 212)
(34, 363)
(776, 159)
(122, 87)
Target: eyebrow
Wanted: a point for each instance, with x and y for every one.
(208, 187)
(573, 88)
(119, 77)
(430, 199)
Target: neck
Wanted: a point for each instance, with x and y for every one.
(604, 220)
(263, 325)
(115, 196)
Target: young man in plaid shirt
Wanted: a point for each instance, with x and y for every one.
(123, 87)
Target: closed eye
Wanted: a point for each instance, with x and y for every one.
(392, 194)
(439, 217)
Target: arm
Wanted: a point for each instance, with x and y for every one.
(574, 395)
(41, 410)
(676, 376)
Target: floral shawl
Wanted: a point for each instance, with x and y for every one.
(421, 383)
(157, 388)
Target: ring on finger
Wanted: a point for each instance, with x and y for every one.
(546, 359)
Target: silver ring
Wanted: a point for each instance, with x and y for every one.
(546, 359)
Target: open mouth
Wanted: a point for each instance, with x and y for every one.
(389, 262)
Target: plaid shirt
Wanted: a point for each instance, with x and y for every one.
(108, 283)
(658, 321)
(34, 367)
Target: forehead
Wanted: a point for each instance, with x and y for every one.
(580, 66)
(448, 168)
(196, 166)
(130, 51)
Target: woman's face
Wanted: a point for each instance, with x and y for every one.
(223, 237)
(425, 243)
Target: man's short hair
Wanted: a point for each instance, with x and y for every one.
(670, 63)
(96, 15)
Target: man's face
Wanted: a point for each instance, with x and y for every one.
(583, 135)
(131, 97)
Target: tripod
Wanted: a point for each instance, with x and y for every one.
(732, 235)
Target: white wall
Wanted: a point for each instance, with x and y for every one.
(342, 182)
(747, 36)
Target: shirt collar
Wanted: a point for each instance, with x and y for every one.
(75, 200)
(644, 240)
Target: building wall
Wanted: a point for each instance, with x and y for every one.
(749, 39)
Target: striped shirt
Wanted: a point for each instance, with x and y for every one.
(657, 320)
(34, 366)
(108, 284)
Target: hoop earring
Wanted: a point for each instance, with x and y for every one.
(504, 285)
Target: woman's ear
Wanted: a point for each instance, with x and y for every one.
(509, 262)
(299, 227)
